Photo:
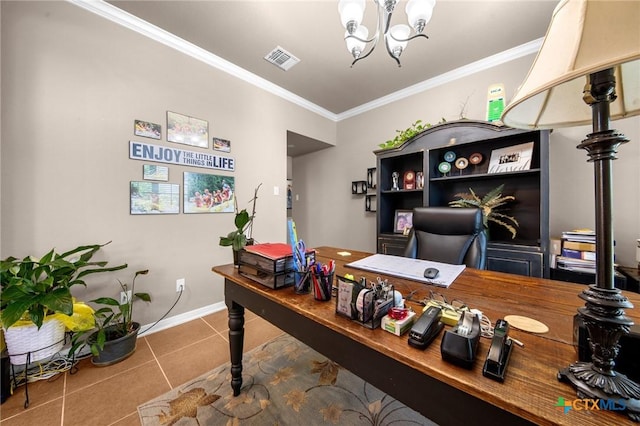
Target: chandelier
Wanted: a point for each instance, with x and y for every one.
(396, 37)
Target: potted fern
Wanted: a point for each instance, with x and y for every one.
(490, 205)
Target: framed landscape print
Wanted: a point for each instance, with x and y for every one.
(187, 130)
(206, 193)
(154, 198)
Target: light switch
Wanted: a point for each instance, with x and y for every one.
(276, 190)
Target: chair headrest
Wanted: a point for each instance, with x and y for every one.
(447, 220)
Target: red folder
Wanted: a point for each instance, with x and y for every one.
(272, 251)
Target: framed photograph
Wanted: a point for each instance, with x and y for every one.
(153, 172)
(187, 130)
(511, 158)
(221, 145)
(154, 198)
(206, 193)
(147, 130)
(403, 221)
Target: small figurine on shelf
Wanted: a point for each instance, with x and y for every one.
(395, 176)
(419, 180)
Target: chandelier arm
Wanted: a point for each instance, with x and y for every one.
(408, 39)
(391, 54)
(367, 54)
(361, 39)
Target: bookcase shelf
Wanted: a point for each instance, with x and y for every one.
(458, 141)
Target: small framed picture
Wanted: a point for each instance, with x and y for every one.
(154, 198)
(187, 130)
(153, 172)
(221, 145)
(147, 130)
(511, 159)
(403, 221)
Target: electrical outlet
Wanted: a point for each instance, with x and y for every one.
(180, 285)
(125, 297)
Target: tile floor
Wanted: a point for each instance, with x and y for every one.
(100, 396)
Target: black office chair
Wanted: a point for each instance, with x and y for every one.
(448, 235)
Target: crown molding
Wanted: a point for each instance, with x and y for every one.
(526, 49)
(127, 20)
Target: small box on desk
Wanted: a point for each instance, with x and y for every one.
(275, 258)
(270, 264)
(398, 327)
(268, 279)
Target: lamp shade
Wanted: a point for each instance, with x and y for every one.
(584, 37)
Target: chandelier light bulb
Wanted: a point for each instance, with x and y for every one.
(419, 13)
(355, 46)
(351, 13)
(397, 39)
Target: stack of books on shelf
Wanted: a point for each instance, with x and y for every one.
(578, 251)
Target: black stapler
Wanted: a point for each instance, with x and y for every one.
(495, 366)
(426, 328)
(460, 344)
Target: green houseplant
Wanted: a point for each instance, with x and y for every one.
(490, 205)
(116, 334)
(243, 221)
(36, 290)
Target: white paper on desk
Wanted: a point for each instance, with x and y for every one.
(406, 267)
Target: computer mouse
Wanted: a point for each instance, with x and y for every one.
(431, 273)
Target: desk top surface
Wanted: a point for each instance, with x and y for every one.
(530, 390)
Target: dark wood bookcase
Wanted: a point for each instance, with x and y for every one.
(528, 252)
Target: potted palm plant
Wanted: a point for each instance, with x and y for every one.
(36, 296)
(490, 205)
(117, 333)
(243, 221)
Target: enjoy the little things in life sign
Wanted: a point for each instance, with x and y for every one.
(162, 154)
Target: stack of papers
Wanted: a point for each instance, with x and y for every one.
(405, 267)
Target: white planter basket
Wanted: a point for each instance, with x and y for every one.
(40, 344)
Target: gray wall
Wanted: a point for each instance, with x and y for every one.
(72, 85)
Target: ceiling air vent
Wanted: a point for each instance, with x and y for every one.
(281, 58)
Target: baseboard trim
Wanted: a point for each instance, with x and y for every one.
(181, 318)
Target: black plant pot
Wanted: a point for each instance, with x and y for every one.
(116, 350)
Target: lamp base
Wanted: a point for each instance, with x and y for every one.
(581, 374)
(603, 316)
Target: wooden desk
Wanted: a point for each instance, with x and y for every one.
(443, 392)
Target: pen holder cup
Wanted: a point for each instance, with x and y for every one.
(302, 283)
(322, 285)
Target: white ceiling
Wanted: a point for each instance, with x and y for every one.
(243, 32)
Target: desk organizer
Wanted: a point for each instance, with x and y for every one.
(361, 304)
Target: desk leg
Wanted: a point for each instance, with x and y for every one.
(236, 343)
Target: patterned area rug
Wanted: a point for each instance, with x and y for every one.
(284, 383)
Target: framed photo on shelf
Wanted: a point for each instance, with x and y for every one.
(187, 130)
(511, 158)
(207, 193)
(403, 221)
(147, 130)
(221, 145)
(154, 198)
(154, 172)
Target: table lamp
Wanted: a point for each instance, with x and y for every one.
(593, 48)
